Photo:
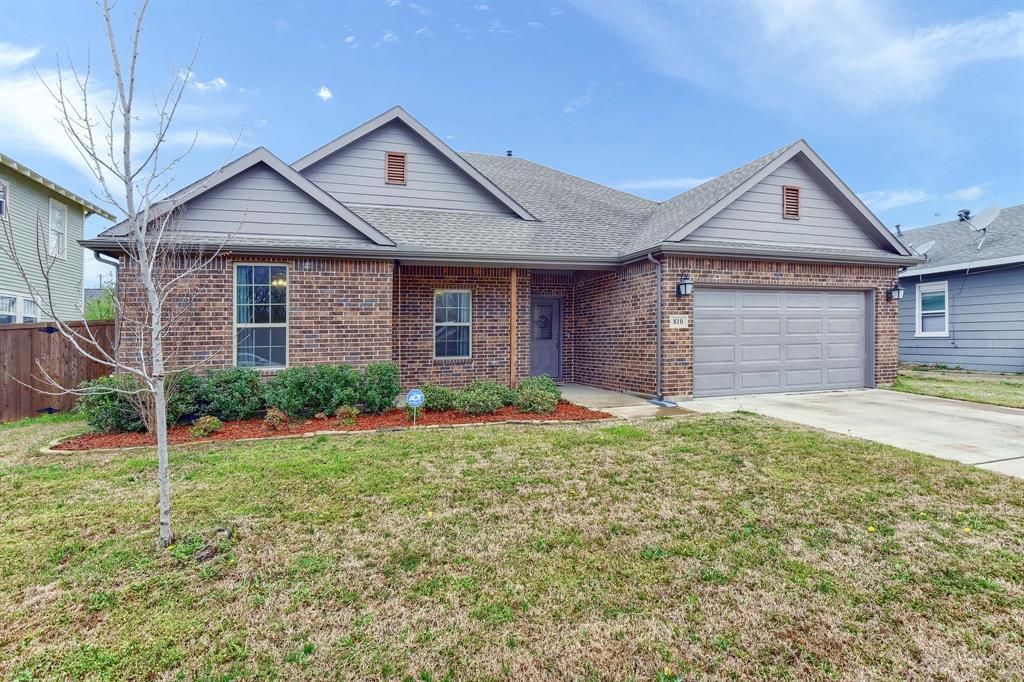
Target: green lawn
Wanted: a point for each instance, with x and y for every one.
(722, 546)
(978, 387)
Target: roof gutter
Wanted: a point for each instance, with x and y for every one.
(972, 265)
(696, 249)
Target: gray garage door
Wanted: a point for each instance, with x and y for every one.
(765, 341)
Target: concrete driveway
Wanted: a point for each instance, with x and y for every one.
(983, 435)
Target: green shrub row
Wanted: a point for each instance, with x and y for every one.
(241, 393)
(535, 394)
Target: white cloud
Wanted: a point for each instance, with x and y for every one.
(200, 138)
(350, 39)
(497, 26)
(249, 91)
(217, 83)
(861, 54)
(967, 193)
(424, 31)
(481, 7)
(555, 11)
(419, 9)
(387, 37)
(13, 56)
(393, 3)
(884, 199)
(324, 93)
(679, 184)
(282, 24)
(534, 24)
(577, 103)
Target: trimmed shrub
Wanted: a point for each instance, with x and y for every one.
(346, 415)
(543, 382)
(186, 390)
(275, 420)
(303, 391)
(533, 398)
(481, 397)
(233, 394)
(379, 387)
(205, 426)
(109, 411)
(438, 398)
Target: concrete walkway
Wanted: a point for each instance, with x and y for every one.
(986, 436)
(618, 404)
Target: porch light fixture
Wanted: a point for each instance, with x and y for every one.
(685, 285)
(895, 292)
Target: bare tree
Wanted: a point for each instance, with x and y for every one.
(160, 272)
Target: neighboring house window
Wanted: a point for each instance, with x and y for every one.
(5, 197)
(8, 309)
(791, 203)
(394, 168)
(29, 310)
(452, 319)
(933, 309)
(261, 315)
(58, 229)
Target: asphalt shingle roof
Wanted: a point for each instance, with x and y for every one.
(957, 244)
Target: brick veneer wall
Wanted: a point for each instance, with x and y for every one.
(339, 311)
(614, 328)
(413, 322)
(677, 367)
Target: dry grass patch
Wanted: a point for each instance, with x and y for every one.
(719, 546)
(992, 388)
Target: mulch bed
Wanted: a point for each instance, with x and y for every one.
(253, 428)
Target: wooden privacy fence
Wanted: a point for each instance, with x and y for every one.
(26, 347)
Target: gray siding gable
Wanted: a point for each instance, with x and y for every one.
(354, 174)
(258, 201)
(986, 321)
(756, 215)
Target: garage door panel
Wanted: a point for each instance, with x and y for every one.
(759, 341)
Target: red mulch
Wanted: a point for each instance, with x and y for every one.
(253, 428)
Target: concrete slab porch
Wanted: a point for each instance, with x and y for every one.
(612, 402)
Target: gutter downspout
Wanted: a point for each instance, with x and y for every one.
(659, 398)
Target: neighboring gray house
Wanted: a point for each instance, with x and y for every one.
(964, 307)
(41, 212)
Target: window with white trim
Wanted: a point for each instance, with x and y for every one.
(29, 310)
(261, 315)
(453, 312)
(8, 309)
(58, 232)
(5, 198)
(933, 309)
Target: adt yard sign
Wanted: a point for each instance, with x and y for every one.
(414, 399)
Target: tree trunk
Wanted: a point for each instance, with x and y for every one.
(163, 475)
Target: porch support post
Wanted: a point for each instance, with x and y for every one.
(513, 317)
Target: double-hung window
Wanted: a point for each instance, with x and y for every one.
(261, 315)
(452, 322)
(29, 310)
(8, 309)
(5, 198)
(932, 309)
(58, 232)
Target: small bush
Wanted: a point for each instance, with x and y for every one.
(379, 387)
(304, 391)
(543, 382)
(233, 394)
(275, 420)
(185, 392)
(205, 426)
(346, 415)
(106, 410)
(438, 398)
(535, 399)
(481, 397)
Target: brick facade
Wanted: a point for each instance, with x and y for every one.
(362, 311)
(339, 311)
(413, 307)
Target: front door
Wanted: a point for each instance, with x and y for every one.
(546, 337)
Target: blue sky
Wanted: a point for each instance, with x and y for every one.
(918, 106)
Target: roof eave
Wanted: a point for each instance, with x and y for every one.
(697, 249)
(89, 207)
(957, 267)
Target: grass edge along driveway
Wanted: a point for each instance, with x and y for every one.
(990, 388)
(706, 546)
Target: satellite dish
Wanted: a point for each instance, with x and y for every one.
(923, 249)
(981, 221)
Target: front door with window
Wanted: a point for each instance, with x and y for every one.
(546, 337)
